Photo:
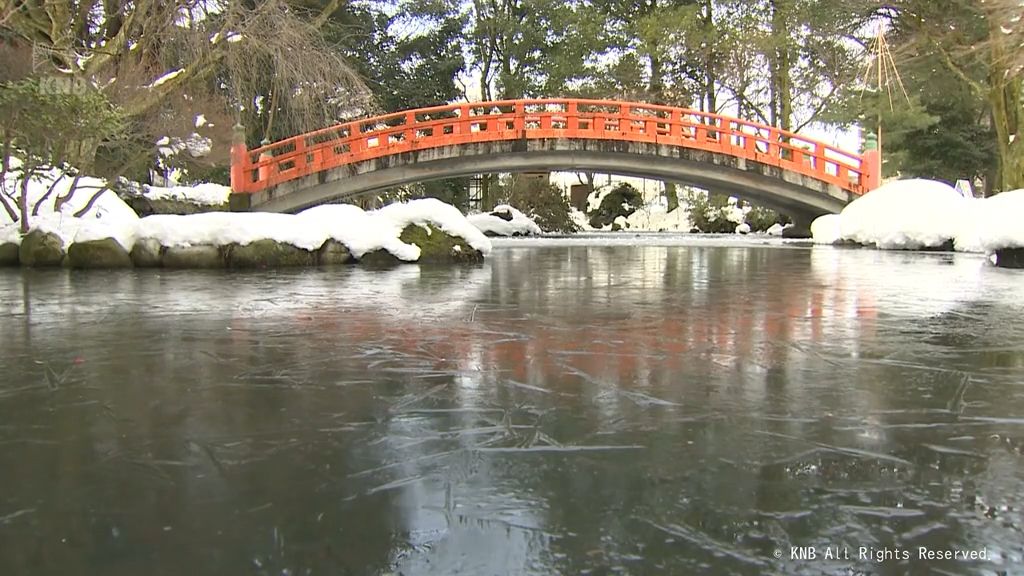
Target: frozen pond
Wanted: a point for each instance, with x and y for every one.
(568, 407)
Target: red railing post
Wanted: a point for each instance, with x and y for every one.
(264, 170)
(410, 128)
(572, 118)
(464, 126)
(240, 163)
(300, 155)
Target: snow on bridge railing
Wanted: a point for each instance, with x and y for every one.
(370, 138)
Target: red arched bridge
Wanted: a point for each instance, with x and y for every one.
(783, 170)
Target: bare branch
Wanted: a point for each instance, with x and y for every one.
(92, 201)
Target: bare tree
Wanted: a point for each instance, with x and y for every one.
(145, 53)
(1007, 17)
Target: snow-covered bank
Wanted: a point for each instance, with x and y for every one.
(360, 231)
(404, 231)
(916, 214)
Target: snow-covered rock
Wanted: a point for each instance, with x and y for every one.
(743, 228)
(827, 229)
(122, 231)
(905, 214)
(361, 232)
(505, 220)
(915, 214)
(998, 222)
(206, 194)
(778, 229)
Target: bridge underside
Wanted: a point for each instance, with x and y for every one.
(801, 197)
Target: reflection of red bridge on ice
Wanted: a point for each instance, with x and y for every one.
(783, 170)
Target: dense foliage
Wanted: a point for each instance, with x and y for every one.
(545, 203)
(284, 66)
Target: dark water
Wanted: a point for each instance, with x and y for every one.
(559, 410)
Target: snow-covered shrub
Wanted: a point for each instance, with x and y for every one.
(712, 213)
(762, 219)
(622, 201)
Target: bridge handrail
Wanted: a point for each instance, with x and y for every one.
(393, 133)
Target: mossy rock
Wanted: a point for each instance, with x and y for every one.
(438, 246)
(1010, 258)
(946, 246)
(197, 256)
(9, 254)
(796, 231)
(146, 253)
(144, 206)
(268, 254)
(41, 249)
(380, 259)
(333, 253)
(103, 253)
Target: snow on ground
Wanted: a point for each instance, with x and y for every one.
(913, 214)
(107, 211)
(206, 194)
(518, 224)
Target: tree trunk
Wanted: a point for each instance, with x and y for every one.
(12, 213)
(710, 75)
(23, 200)
(781, 89)
(654, 87)
(485, 192)
(1005, 100)
(671, 196)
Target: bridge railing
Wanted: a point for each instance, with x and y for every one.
(366, 139)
